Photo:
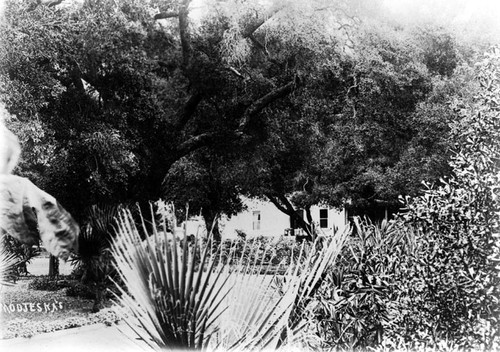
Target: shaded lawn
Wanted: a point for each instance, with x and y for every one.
(48, 311)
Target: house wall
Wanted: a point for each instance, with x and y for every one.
(273, 222)
(336, 219)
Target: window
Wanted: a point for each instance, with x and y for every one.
(323, 218)
(256, 220)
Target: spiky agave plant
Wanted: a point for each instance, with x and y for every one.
(184, 296)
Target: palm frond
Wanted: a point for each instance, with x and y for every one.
(284, 318)
(95, 237)
(172, 296)
(179, 295)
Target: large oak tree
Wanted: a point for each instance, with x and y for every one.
(311, 101)
(124, 89)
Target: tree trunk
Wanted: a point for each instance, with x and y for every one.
(53, 266)
(99, 298)
(311, 231)
(308, 228)
(212, 224)
(184, 32)
(284, 205)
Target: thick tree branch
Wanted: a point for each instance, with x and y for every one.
(188, 110)
(258, 44)
(203, 139)
(252, 28)
(194, 143)
(308, 214)
(258, 105)
(184, 33)
(163, 15)
(277, 204)
(284, 205)
(289, 206)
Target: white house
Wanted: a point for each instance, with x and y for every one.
(262, 218)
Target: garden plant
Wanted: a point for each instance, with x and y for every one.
(174, 301)
(92, 264)
(455, 285)
(333, 104)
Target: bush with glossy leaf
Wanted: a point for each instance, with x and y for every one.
(355, 307)
(455, 289)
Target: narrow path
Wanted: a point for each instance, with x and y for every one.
(92, 338)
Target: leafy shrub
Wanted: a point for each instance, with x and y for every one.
(431, 278)
(22, 252)
(454, 289)
(354, 306)
(93, 261)
(77, 289)
(46, 283)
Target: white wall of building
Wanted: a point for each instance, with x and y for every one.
(262, 218)
(259, 219)
(335, 220)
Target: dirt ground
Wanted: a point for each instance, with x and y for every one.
(20, 302)
(26, 312)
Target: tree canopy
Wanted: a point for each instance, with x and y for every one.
(302, 103)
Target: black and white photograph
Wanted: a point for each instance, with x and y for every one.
(249, 175)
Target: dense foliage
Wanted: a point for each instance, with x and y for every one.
(118, 98)
(456, 289)
(298, 102)
(357, 304)
(430, 278)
